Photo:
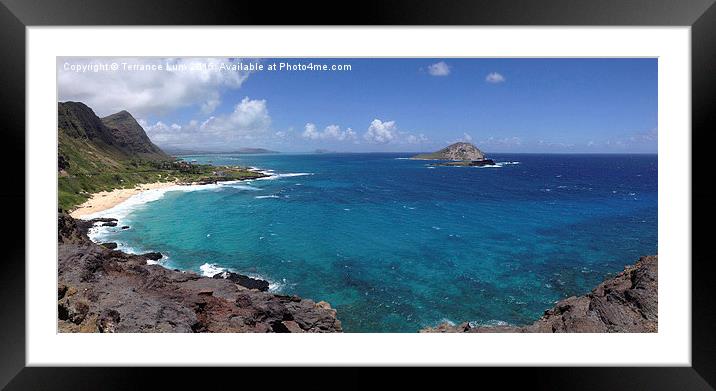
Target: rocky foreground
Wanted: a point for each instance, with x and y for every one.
(104, 290)
(626, 303)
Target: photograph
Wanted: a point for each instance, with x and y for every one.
(520, 189)
(357, 194)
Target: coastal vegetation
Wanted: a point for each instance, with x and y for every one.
(100, 154)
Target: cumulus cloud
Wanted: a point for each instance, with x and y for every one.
(146, 93)
(439, 69)
(164, 134)
(386, 132)
(311, 132)
(249, 117)
(381, 132)
(330, 132)
(495, 78)
(250, 120)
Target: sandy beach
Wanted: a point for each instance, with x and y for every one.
(108, 199)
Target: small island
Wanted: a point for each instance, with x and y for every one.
(457, 154)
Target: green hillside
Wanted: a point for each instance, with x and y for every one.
(94, 157)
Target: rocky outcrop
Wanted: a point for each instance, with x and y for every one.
(245, 281)
(458, 151)
(626, 303)
(154, 255)
(103, 290)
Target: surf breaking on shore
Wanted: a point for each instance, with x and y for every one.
(119, 203)
(104, 200)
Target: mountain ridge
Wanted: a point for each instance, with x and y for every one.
(131, 137)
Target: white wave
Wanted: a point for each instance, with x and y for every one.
(276, 286)
(210, 269)
(267, 196)
(489, 323)
(273, 176)
(121, 210)
(498, 165)
(237, 186)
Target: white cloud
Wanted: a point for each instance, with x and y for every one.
(494, 78)
(250, 120)
(642, 141)
(381, 132)
(413, 139)
(311, 132)
(331, 132)
(386, 132)
(211, 104)
(439, 69)
(555, 144)
(645, 137)
(148, 93)
(493, 142)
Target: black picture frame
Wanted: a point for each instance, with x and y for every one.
(700, 15)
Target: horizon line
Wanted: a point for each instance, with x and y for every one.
(402, 152)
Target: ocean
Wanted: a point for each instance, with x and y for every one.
(395, 245)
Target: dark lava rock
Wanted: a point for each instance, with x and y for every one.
(627, 303)
(69, 230)
(112, 291)
(109, 245)
(107, 321)
(125, 227)
(154, 256)
(84, 225)
(245, 281)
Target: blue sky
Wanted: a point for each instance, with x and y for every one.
(501, 105)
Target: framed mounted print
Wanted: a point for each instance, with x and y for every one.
(431, 189)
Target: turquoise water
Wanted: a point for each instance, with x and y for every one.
(395, 246)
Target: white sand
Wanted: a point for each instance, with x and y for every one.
(107, 199)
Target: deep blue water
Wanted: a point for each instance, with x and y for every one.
(395, 246)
